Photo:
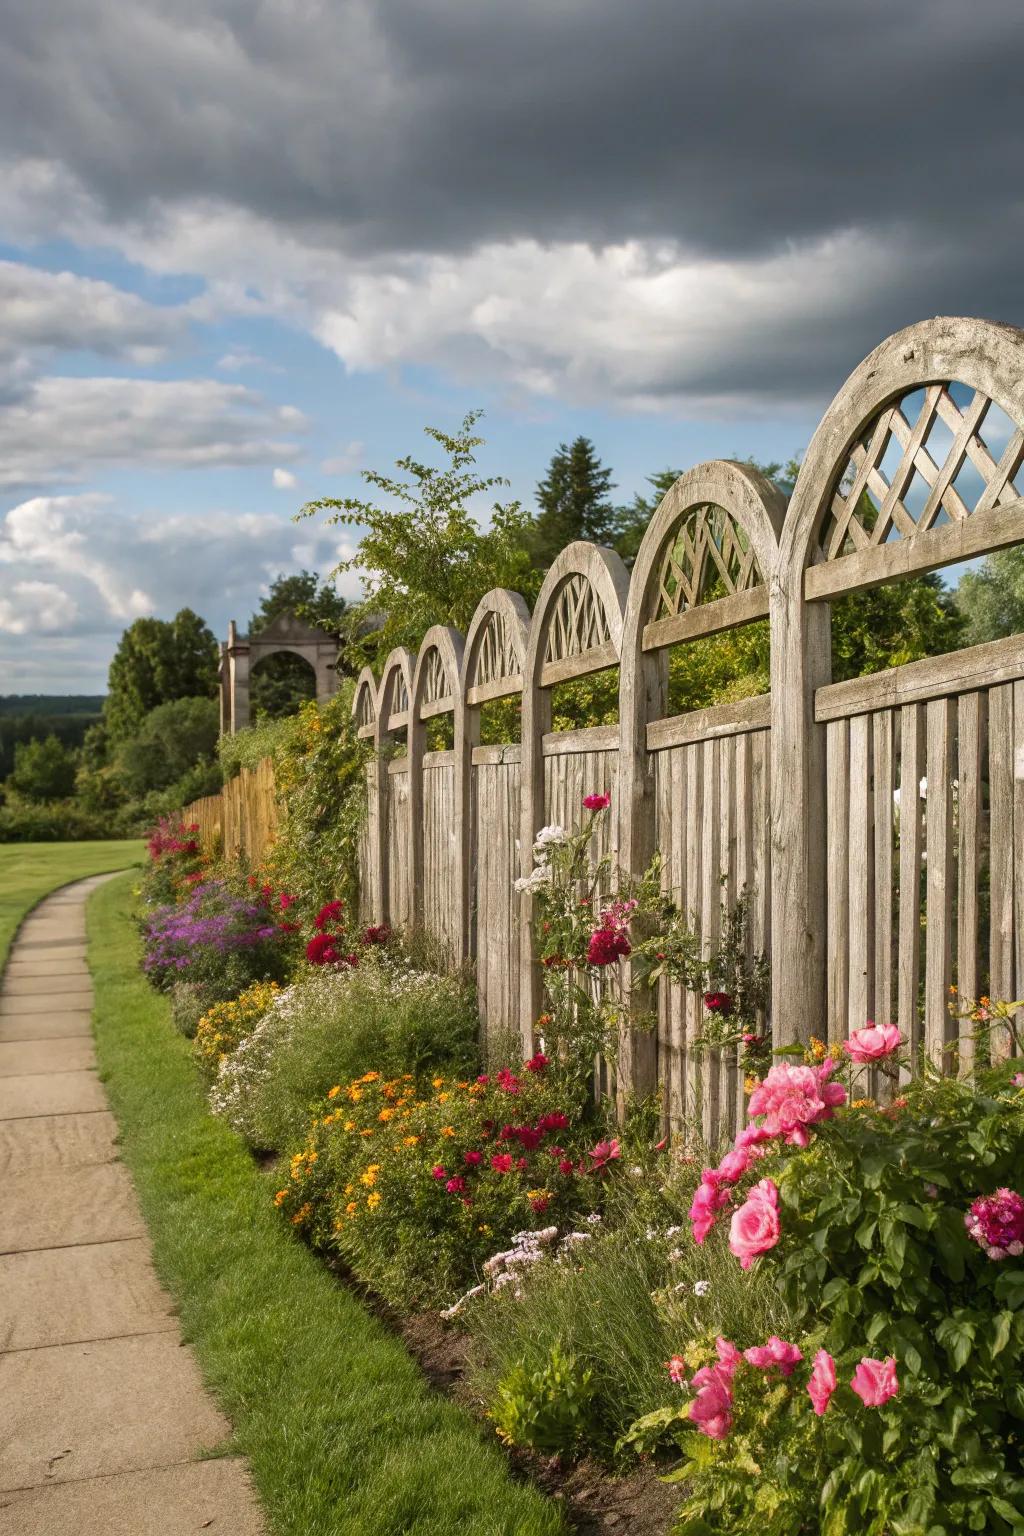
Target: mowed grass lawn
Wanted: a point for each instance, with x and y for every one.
(344, 1435)
(30, 871)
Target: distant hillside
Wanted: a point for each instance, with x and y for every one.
(27, 716)
(47, 704)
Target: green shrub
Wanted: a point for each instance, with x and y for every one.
(550, 1409)
(328, 1027)
(64, 821)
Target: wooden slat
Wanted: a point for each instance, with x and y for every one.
(1018, 843)
(444, 759)
(838, 790)
(940, 724)
(437, 707)
(1001, 852)
(882, 724)
(970, 734)
(398, 765)
(710, 901)
(983, 531)
(861, 884)
(593, 660)
(498, 688)
(980, 666)
(707, 618)
(911, 848)
(592, 738)
(717, 720)
(505, 753)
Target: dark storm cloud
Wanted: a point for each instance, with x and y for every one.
(733, 130)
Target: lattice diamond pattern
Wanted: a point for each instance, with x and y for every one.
(706, 556)
(923, 462)
(578, 622)
(496, 656)
(365, 714)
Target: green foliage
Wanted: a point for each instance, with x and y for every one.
(552, 1408)
(991, 599)
(574, 502)
(158, 660)
(32, 716)
(422, 556)
(631, 521)
(64, 821)
(172, 741)
(28, 873)
(328, 1026)
(44, 770)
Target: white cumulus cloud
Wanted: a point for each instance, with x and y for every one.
(284, 480)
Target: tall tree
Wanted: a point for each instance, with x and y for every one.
(44, 769)
(991, 599)
(158, 660)
(574, 500)
(631, 521)
(423, 557)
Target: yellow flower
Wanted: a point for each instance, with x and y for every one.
(817, 1048)
(352, 1207)
(438, 1082)
(447, 1130)
(280, 1197)
(350, 1125)
(369, 1178)
(385, 1115)
(333, 1092)
(367, 1132)
(410, 1141)
(443, 1098)
(750, 1083)
(369, 1077)
(372, 1201)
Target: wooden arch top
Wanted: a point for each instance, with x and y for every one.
(578, 621)
(496, 647)
(364, 703)
(900, 476)
(719, 526)
(435, 689)
(395, 691)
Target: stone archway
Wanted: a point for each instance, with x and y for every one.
(240, 653)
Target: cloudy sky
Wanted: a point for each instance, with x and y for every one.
(247, 248)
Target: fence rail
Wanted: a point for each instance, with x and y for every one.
(877, 824)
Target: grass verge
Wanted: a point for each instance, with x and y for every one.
(30, 871)
(343, 1434)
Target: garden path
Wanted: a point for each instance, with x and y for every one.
(102, 1411)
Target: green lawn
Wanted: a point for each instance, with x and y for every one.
(29, 871)
(344, 1435)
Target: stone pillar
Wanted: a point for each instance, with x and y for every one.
(238, 664)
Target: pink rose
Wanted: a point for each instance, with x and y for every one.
(729, 1357)
(755, 1226)
(711, 1409)
(710, 1198)
(738, 1162)
(793, 1098)
(676, 1368)
(775, 1355)
(823, 1381)
(874, 1381)
(875, 1043)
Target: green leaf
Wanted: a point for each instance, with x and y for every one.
(1001, 1332)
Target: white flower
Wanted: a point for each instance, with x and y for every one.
(533, 881)
(594, 1218)
(637, 1173)
(673, 1231)
(549, 837)
(701, 1287)
(675, 1255)
(502, 1281)
(577, 1237)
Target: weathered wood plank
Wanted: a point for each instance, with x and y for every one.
(862, 878)
(709, 618)
(908, 978)
(1001, 851)
(838, 772)
(971, 713)
(938, 1030)
(882, 730)
(980, 666)
(717, 720)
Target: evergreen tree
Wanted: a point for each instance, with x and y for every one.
(575, 502)
(991, 599)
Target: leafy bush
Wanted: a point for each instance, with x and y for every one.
(416, 1191)
(552, 1408)
(62, 821)
(898, 1245)
(326, 1025)
(215, 939)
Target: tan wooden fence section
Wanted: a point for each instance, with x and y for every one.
(878, 824)
(242, 820)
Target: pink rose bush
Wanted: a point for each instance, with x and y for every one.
(822, 1382)
(874, 1381)
(754, 1228)
(877, 1042)
(792, 1099)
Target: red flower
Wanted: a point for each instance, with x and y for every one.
(285, 901)
(529, 1137)
(604, 1153)
(718, 1002)
(474, 1159)
(501, 1162)
(539, 1205)
(565, 1165)
(437, 1172)
(555, 1121)
(456, 1185)
(289, 927)
(507, 1081)
(606, 945)
(321, 950)
(597, 802)
(381, 934)
(537, 1062)
(327, 914)
(483, 1078)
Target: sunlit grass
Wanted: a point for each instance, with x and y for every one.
(30, 871)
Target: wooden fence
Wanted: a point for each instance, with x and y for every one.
(878, 824)
(242, 820)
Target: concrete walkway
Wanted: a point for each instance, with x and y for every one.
(102, 1411)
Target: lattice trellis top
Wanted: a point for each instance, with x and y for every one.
(496, 656)
(365, 711)
(578, 622)
(706, 556)
(936, 456)
(435, 682)
(399, 694)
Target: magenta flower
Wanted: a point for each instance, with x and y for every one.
(605, 1153)
(456, 1185)
(473, 1159)
(501, 1162)
(712, 1196)
(607, 945)
(875, 1043)
(823, 1381)
(996, 1223)
(776, 1354)
(437, 1172)
(597, 802)
(711, 1409)
(754, 1228)
(874, 1381)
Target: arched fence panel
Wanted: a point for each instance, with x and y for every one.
(436, 832)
